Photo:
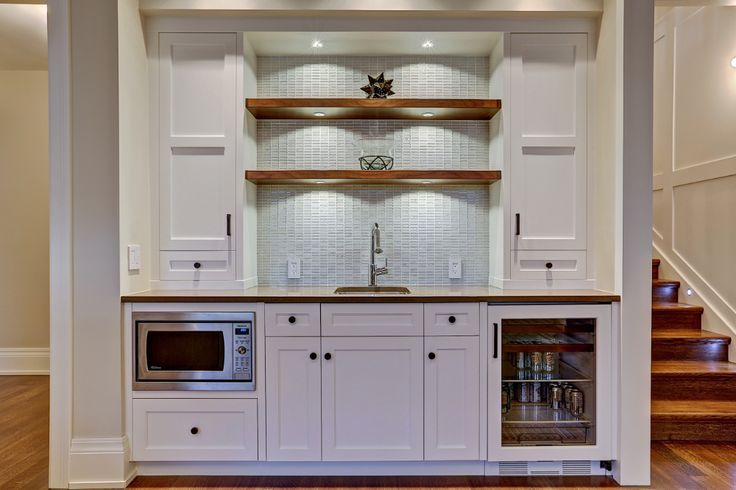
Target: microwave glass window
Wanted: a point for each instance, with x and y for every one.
(185, 351)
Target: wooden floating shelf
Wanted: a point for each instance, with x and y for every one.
(332, 177)
(412, 109)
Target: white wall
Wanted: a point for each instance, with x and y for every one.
(694, 189)
(24, 210)
(135, 195)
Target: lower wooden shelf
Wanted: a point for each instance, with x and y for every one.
(395, 177)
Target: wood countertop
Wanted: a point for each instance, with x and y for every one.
(419, 294)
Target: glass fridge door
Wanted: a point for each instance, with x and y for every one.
(550, 382)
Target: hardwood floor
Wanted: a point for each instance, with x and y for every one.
(24, 456)
(24, 432)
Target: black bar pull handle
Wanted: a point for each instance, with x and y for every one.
(227, 220)
(495, 340)
(518, 224)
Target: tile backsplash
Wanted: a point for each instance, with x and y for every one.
(330, 231)
(329, 228)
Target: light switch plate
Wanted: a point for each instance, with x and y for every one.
(134, 257)
(455, 267)
(293, 268)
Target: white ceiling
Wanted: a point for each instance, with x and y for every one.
(23, 44)
(373, 43)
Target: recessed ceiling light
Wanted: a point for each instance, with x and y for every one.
(733, 62)
(427, 44)
(317, 43)
(428, 114)
(689, 292)
(319, 114)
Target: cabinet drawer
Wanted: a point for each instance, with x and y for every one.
(182, 266)
(292, 320)
(195, 429)
(373, 319)
(548, 265)
(451, 319)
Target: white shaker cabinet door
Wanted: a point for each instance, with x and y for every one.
(197, 141)
(452, 398)
(548, 121)
(293, 419)
(372, 398)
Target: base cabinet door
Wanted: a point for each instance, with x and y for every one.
(451, 398)
(372, 398)
(293, 421)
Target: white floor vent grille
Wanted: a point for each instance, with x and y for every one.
(536, 468)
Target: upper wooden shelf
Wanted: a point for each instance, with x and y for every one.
(466, 177)
(441, 109)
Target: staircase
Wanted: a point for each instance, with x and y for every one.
(693, 384)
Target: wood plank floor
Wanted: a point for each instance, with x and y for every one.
(24, 456)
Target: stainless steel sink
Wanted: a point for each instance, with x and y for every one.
(372, 290)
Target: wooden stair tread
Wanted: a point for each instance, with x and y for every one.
(702, 409)
(676, 307)
(666, 335)
(665, 282)
(693, 368)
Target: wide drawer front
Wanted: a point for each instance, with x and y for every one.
(194, 266)
(361, 319)
(292, 320)
(549, 265)
(451, 319)
(195, 429)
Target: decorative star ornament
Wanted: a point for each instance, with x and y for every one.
(378, 88)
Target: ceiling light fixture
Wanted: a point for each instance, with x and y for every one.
(427, 44)
(689, 292)
(319, 114)
(317, 43)
(428, 114)
(733, 62)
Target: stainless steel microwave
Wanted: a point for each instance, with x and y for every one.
(193, 351)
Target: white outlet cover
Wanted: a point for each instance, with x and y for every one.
(455, 267)
(293, 268)
(134, 257)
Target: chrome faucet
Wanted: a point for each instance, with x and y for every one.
(375, 250)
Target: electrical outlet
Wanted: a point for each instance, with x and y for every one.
(134, 257)
(455, 267)
(293, 268)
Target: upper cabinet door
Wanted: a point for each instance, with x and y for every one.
(548, 116)
(197, 121)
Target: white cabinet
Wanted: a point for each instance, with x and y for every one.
(292, 320)
(198, 175)
(372, 398)
(195, 430)
(372, 319)
(451, 398)
(534, 350)
(548, 138)
(293, 403)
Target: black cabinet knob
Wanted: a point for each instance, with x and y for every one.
(452, 319)
(328, 356)
(313, 356)
(292, 319)
(548, 265)
(194, 430)
(431, 355)
(197, 265)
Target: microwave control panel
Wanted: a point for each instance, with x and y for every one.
(243, 355)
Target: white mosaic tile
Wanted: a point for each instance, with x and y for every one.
(329, 228)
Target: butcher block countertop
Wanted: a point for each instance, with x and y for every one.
(419, 294)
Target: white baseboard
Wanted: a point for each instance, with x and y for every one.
(100, 463)
(31, 361)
